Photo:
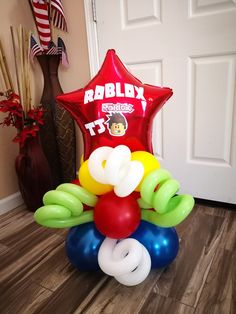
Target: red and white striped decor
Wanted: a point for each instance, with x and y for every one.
(40, 8)
(57, 15)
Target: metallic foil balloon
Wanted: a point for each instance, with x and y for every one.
(82, 246)
(115, 108)
(161, 243)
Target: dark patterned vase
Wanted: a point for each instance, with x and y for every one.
(33, 172)
(58, 132)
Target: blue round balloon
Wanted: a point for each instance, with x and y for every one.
(82, 246)
(161, 243)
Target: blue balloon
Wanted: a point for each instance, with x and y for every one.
(82, 246)
(161, 243)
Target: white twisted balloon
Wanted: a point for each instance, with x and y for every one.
(128, 260)
(119, 170)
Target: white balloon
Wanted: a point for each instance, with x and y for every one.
(140, 273)
(119, 171)
(116, 259)
(120, 156)
(133, 175)
(128, 260)
(95, 165)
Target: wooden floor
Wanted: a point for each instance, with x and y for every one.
(36, 277)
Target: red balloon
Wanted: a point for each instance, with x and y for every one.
(76, 181)
(115, 108)
(136, 195)
(117, 217)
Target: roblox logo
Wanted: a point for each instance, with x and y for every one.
(110, 107)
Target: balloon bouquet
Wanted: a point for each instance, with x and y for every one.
(123, 207)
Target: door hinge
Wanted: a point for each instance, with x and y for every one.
(94, 11)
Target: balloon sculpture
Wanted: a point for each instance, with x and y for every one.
(123, 207)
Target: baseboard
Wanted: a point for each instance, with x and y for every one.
(10, 202)
(210, 203)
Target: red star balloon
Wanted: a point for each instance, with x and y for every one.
(115, 108)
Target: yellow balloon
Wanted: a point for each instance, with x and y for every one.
(87, 181)
(148, 161)
(82, 159)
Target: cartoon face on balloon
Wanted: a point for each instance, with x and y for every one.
(115, 108)
(117, 124)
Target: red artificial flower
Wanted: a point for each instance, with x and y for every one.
(27, 131)
(28, 125)
(36, 115)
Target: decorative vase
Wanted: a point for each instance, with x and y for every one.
(58, 132)
(34, 174)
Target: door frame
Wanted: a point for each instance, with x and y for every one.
(92, 38)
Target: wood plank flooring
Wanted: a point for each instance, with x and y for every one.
(36, 277)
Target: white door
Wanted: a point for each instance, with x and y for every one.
(189, 46)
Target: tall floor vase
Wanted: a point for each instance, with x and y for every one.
(33, 172)
(58, 132)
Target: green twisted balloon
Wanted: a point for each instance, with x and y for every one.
(158, 191)
(63, 207)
